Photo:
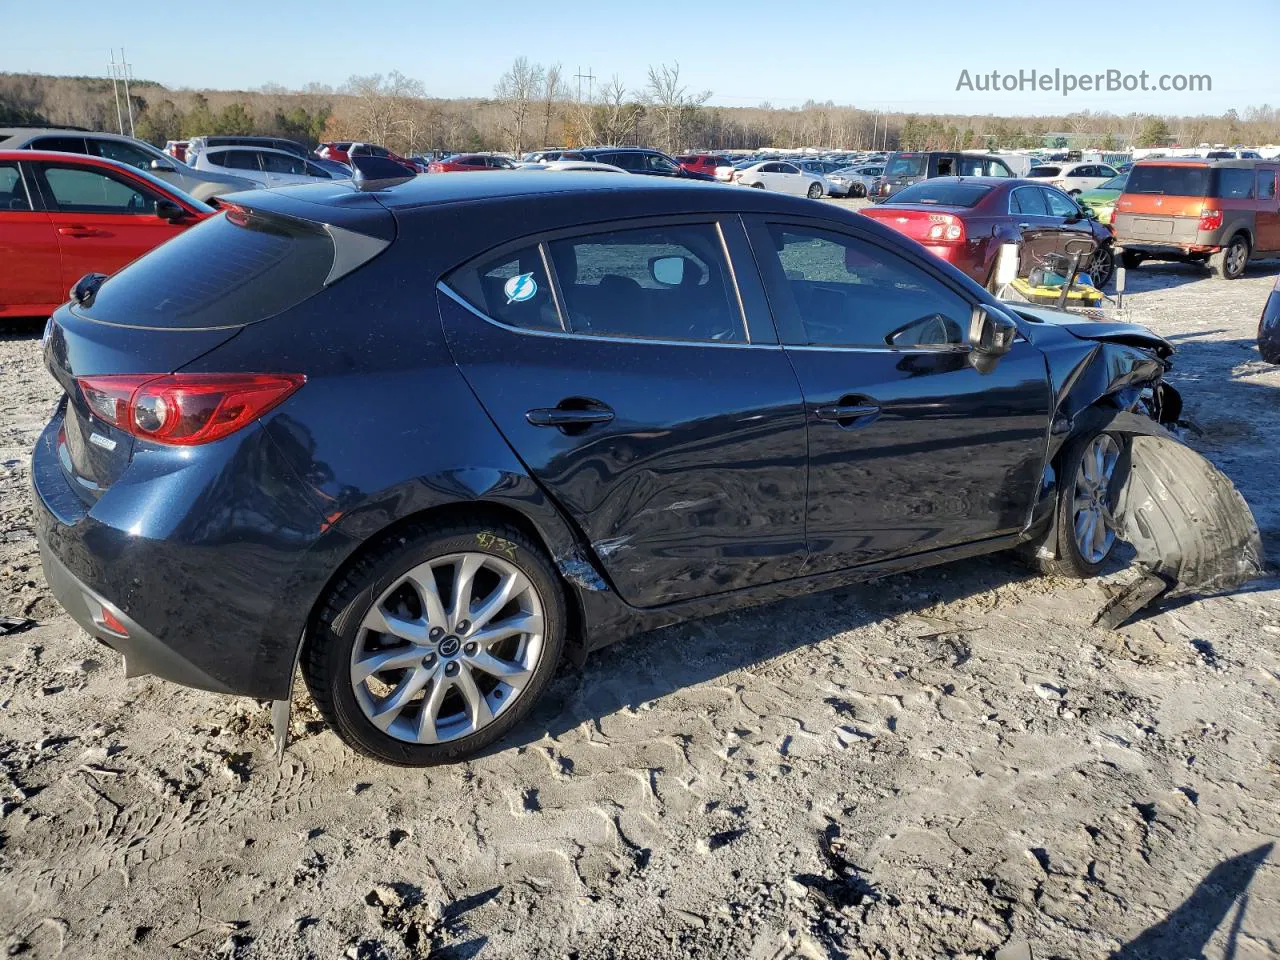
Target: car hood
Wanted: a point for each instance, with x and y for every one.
(1099, 196)
(1096, 327)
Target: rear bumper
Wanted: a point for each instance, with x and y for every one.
(207, 567)
(1166, 251)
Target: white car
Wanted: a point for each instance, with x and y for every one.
(262, 165)
(855, 181)
(1073, 178)
(784, 178)
(580, 165)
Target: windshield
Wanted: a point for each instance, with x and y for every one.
(1115, 183)
(1171, 181)
(907, 165)
(944, 193)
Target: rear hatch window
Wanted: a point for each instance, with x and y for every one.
(1044, 171)
(943, 193)
(907, 165)
(229, 271)
(1169, 181)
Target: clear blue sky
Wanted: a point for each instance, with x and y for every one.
(892, 55)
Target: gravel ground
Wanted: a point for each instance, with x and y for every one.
(950, 763)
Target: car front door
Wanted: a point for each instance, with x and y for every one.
(911, 449)
(104, 218)
(31, 275)
(789, 179)
(1065, 213)
(1029, 208)
(664, 422)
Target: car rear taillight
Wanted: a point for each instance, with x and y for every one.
(946, 228)
(1210, 219)
(185, 409)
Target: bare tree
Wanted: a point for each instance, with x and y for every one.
(612, 118)
(552, 93)
(385, 107)
(516, 90)
(673, 107)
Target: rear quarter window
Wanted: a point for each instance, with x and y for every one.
(511, 287)
(1233, 184)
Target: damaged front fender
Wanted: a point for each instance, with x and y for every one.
(1191, 529)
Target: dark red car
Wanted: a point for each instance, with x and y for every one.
(340, 150)
(460, 162)
(705, 163)
(63, 215)
(965, 220)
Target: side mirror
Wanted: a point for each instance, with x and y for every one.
(163, 166)
(668, 271)
(990, 337)
(86, 288)
(168, 210)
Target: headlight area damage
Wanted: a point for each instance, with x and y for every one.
(1191, 529)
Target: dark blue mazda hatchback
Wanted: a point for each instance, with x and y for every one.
(421, 439)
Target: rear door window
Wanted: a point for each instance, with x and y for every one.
(282, 163)
(229, 271)
(123, 152)
(511, 287)
(13, 194)
(665, 283)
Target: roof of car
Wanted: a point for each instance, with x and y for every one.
(1246, 164)
(26, 133)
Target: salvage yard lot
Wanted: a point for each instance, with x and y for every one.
(940, 763)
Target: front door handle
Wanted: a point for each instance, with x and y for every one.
(849, 411)
(1025, 226)
(78, 231)
(570, 415)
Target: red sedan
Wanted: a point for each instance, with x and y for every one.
(470, 161)
(340, 152)
(63, 215)
(965, 220)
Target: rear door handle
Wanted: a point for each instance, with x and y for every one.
(570, 418)
(76, 231)
(849, 411)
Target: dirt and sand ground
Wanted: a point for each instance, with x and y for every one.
(951, 763)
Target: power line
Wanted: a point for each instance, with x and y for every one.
(118, 72)
(589, 77)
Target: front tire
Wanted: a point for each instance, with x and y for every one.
(758, 185)
(436, 642)
(1086, 507)
(1130, 259)
(815, 191)
(1103, 266)
(1229, 262)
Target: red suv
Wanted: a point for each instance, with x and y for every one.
(460, 162)
(705, 163)
(340, 150)
(63, 215)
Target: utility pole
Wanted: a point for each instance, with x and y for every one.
(127, 100)
(116, 90)
(589, 77)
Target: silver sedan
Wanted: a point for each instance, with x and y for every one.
(783, 177)
(855, 181)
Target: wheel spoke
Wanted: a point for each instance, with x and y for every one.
(390, 706)
(513, 673)
(463, 579)
(510, 627)
(431, 707)
(378, 619)
(512, 585)
(395, 659)
(477, 707)
(1099, 541)
(1080, 505)
(423, 579)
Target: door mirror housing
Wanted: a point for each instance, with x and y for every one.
(162, 166)
(168, 210)
(991, 336)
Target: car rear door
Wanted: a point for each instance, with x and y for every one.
(1267, 194)
(646, 392)
(911, 449)
(31, 275)
(104, 218)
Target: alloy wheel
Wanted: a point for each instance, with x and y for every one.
(1093, 512)
(1237, 255)
(447, 648)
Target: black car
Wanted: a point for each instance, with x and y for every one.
(424, 437)
(904, 168)
(642, 160)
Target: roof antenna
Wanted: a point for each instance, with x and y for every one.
(376, 173)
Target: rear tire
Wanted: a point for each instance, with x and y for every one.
(1229, 262)
(858, 190)
(405, 673)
